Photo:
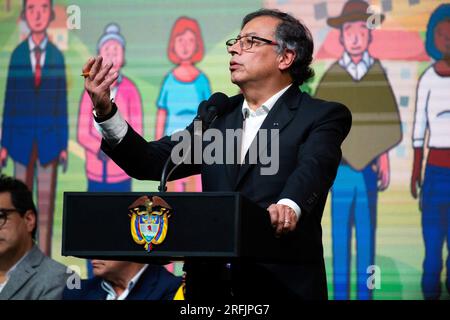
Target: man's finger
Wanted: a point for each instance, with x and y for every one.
(289, 218)
(280, 223)
(273, 215)
(109, 80)
(287, 221)
(88, 65)
(292, 219)
(102, 74)
(95, 67)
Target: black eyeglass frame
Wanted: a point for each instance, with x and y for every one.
(4, 213)
(233, 41)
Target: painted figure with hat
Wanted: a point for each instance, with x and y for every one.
(359, 81)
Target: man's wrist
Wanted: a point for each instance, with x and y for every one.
(291, 204)
(100, 116)
(113, 128)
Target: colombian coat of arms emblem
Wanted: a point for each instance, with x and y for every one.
(149, 221)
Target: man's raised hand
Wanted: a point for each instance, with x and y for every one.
(98, 80)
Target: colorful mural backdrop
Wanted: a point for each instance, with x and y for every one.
(387, 221)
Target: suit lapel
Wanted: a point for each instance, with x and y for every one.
(25, 68)
(96, 292)
(234, 121)
(47, 73)
(278, 118)
(145, 286)
(20, 276)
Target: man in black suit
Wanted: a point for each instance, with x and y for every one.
(269, 59)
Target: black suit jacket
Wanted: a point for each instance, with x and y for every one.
(311, 132)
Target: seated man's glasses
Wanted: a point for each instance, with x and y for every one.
(247, 42)
(4, 213)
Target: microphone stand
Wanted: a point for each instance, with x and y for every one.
(162, 185)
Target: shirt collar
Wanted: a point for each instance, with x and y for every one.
(265, 107)
(110, 290)
(14, 267)
(42, 45)
(345, 60)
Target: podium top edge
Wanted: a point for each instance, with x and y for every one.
(137, 193)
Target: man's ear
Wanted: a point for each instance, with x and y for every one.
(53, 15)
(30, 220)
(286, 59)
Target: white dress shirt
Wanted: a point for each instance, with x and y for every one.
(32, 46)
(253, 120)
(114, 130)
(358, 70)
(112, 295)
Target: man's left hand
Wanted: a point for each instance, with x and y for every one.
(283, 218)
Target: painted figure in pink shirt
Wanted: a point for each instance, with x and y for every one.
(102, 173)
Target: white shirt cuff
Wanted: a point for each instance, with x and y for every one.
(292, 205)
(112, 130)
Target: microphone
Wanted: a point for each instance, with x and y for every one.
(208, 111)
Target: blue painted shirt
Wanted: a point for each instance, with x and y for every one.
(181, 100)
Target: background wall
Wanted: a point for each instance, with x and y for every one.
(146, 25)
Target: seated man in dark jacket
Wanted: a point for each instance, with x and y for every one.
(125, 280)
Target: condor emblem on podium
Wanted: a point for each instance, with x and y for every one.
(149, 221)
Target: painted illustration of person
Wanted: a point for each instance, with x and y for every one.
(103, 175)
(183, 88)
(359, 81)
(35, 124)
(432, 118)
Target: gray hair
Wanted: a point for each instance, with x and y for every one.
(112, 32)
(293, 35)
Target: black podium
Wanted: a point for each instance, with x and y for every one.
(203, 225)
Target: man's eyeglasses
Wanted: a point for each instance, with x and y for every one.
(247, 42)
(4, 213)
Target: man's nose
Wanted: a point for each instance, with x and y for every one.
(235, 48)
